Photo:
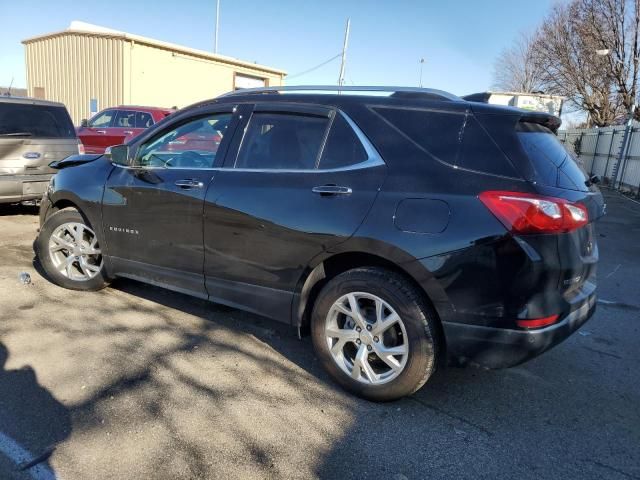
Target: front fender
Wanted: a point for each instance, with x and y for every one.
(81, 186)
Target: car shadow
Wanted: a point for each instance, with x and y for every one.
(501, 413)
(32, 422)
(9, 209)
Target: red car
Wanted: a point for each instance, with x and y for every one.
(117, 125)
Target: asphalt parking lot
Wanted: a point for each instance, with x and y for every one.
(138, 382)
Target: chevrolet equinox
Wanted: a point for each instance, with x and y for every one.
(402, 228)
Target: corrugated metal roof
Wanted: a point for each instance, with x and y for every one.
(82, 28)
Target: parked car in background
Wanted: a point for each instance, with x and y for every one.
(117, 125)
(33, 133)
(399, 229)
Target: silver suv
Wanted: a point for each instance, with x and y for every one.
(33, 133)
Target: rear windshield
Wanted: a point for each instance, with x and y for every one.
(42, 121)
(554, 165)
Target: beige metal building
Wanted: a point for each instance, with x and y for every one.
(89, 68)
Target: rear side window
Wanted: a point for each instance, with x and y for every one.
(553, 164)
(43, 121)
(343, 147)
(451, 137)
(438, 133)
(282, 141)
(125, 119)
(143, 120)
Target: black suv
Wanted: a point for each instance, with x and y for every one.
(403, 228)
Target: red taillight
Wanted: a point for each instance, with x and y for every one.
(527, 213)
(81, 148)
(537, 322)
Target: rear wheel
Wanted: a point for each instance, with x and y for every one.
(69, 251)
(374, 334)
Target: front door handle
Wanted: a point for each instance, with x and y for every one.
(189, 183)
(327, 190)
(101, 131)
(128, 132)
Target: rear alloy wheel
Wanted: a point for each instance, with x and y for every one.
(367, 338)
(69, 251)
(374, 334)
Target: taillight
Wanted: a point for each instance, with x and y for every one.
(523, 213)
(537, 322)
(81, 148)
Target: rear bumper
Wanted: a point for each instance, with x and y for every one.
(492, 347)
(18, 188)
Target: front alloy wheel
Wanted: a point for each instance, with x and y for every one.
(74, 251)
(68, 249)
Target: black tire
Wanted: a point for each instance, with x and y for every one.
(67, 215)
(418, 318)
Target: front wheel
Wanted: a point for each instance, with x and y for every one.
(69, 251)
(374, 334)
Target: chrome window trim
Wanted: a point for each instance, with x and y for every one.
(374, 159)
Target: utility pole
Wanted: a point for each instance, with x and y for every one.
(421, 65)
(344, 53)
(215, 44)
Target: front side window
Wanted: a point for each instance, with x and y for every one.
(191, 145)
(143, 120)
(282, 141)
(103, 120)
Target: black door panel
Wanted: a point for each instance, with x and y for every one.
(152, 213)
(150, 220)
(262, 226)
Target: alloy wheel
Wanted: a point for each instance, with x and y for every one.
(366, 338)
(74, 251)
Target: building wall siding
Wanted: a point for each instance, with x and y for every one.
(73, 69)
(164, 78)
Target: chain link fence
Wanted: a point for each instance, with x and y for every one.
(606, 153)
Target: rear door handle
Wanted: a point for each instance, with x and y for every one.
(327, 190)
(128, 132)
(101, 131)
(188, 183)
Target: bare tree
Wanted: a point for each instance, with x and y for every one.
(516, 70)
(612, 26)
(565, 51)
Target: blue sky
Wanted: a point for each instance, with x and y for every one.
(459, 39)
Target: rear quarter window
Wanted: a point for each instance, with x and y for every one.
(554, 165)
(454, 138)
(41, 121)
(436, 132)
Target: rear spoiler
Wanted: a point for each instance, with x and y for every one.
(529, 116)
(545, 119)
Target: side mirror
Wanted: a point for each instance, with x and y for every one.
(84, 123)
(118, 154)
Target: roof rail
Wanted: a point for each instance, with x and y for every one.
(398, 91)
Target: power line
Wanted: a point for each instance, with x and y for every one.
(315, 68)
